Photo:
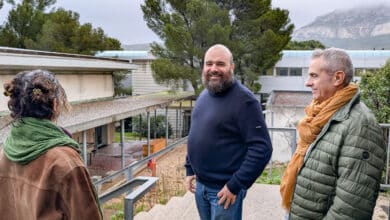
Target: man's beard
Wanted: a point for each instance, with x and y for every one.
(219, 86)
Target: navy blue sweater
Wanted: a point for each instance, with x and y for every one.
(228, 141)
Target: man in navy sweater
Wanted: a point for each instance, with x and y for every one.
(228, 144)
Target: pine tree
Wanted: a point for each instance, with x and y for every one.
(254, 31)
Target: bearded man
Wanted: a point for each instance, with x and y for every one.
(228, 144)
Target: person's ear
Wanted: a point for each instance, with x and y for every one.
(339, 78)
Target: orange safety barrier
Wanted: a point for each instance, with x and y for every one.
(155, 146)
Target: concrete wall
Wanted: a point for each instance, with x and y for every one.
(78, 87)
(110, 132)
(83, 87)
(282, 141)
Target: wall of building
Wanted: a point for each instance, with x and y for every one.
(109, 136)
(142, 79)
(83, 87)
(78, 87)
(280, 117)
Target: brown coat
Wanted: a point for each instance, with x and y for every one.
(54, 186)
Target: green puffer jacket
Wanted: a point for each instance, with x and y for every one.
(342, 169)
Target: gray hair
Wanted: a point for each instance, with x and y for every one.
(335, 59)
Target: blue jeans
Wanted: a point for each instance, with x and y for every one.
(208, 208)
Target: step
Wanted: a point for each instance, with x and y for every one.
(156, 211)
(174, 208)
(143, 216)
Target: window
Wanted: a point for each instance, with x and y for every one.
(295, 71)
(281, 71)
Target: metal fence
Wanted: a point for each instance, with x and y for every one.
(385, 183)
(148, 182)
(144, 183)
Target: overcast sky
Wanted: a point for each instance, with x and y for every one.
(123, 19)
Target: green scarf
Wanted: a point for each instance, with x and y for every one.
(29, 138)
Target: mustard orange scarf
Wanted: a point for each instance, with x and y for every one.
(317, 115)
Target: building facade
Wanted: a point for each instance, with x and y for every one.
(88, 83)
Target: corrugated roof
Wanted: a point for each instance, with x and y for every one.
(289, 98)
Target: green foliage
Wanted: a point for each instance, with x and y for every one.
(273, 178)
(118, 207)
(304, 45)
(119, 90)
(375, 90)
(259, 35)
(157, 126)
(129, 136)
(254, 32)
(119, 215)
(28, 26)
(187, 28)
(139, 209)
(24, 23)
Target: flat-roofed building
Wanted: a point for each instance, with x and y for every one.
(291, 71)
(88, 82)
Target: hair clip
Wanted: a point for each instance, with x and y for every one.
(7, 93)
(37, 91)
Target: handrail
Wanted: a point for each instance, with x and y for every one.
(132, 166)
(144, 185)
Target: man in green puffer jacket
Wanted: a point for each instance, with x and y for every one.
(336, 170)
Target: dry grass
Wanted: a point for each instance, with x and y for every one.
(171, 173)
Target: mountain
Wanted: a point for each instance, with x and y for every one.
(356, 28)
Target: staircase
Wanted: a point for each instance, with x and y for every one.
(261, 202)
(177, 208)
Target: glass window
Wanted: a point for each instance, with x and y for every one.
(295, 71)
(281, 71)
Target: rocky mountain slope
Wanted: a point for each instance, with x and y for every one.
(356, 28)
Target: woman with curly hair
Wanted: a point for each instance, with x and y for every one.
(42, 175)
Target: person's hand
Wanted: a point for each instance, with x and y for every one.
(190, 183)
(226, 197)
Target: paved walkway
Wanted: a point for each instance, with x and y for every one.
(262, 202)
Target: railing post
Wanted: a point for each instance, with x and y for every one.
(129, 175)
(166, 126)
(123, 142)
(129, 206)
(148, 119)
(85, 158)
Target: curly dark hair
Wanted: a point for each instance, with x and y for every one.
(32, 94)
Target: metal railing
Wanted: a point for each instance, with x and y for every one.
(293, 131)
(128, 171)
(148, 182)
(143, 184)
(385, 184)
